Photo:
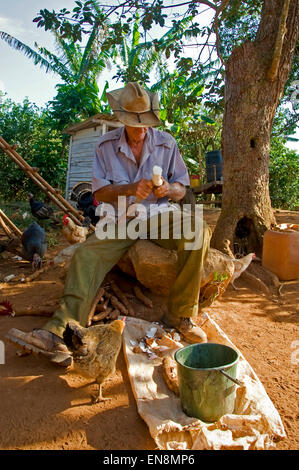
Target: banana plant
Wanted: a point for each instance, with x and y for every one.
(71, 63)
(78, 67)
(135, 59)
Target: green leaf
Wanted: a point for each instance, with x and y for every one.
(193, 162)
(163, 114)
(175, 128)
(207, 119)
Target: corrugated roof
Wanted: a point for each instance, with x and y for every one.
(93, 121)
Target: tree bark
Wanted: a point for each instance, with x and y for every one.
(251, 99)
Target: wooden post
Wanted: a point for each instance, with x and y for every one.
(10, 226)
(214, 172)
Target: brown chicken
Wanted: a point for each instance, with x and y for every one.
(72, 232)
(95, 350)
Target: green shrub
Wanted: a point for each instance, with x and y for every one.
(28, 126)
(284, 175)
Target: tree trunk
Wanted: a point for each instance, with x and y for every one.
(251, 99)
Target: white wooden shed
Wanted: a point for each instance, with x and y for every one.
(84, 137)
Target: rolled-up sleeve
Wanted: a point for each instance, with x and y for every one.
(99, 172)
(177, 171)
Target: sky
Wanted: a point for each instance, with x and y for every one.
(19, 77)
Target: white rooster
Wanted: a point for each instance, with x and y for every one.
(240, 266)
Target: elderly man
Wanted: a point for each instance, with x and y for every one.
(123, 165)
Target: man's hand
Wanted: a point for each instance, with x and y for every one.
(143, 188)
(163, 190)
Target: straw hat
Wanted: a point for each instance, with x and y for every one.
(134, 106)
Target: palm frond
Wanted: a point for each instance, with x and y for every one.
(30, 53)
(136, 33)
(89, 50)
(69, 52)
(57, 65)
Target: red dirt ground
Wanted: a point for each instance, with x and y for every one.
(45, 407)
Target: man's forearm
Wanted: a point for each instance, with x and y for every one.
(111, 192)
(176, 191)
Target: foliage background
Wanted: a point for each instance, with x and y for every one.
(29, 128)
(191, 92)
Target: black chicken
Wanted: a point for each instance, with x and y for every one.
(40, 210)
(34, 241)
(87, 204)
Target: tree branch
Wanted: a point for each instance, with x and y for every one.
(273, 70)
(219, 10)
(203, 2)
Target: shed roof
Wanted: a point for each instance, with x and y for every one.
(93, 121)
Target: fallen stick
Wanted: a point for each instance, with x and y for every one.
(35, 311)
(145, 300)
(122, 297)
(36, 274)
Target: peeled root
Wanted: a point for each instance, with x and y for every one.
(123, 298)
(170, 374)
(117, 304)
(145, 300)
(101, 316)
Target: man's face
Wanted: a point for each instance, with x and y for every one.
(136, 134)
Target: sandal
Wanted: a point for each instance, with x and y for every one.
(41, 342)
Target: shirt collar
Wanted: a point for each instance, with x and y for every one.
(123, 145)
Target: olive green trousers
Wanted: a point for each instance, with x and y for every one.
(96, 257)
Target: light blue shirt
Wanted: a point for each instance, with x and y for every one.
(114, 162)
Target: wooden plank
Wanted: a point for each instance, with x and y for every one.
(81, 165)
(86, 161)
(80, 170)
(85, 142)
(91, 132)
(216, 203)
(68, 170)
(82, 154)
(214, 186)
